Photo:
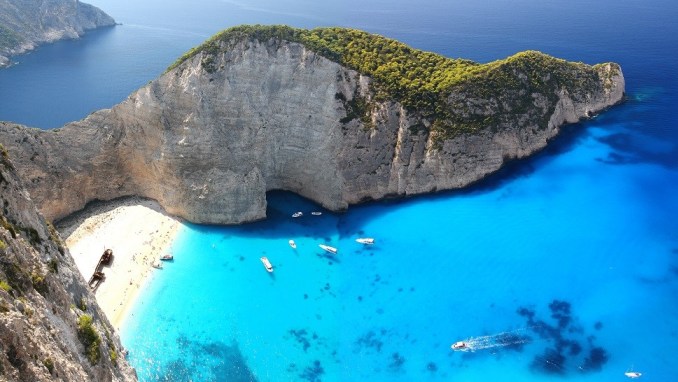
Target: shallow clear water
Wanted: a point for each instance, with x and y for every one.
(590, 222)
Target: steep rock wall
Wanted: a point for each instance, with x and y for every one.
(42, 296)
(210, 137)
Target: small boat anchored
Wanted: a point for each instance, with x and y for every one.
(297, 214)
(156, 265)
(632, 374)
(365, 240)
(329, 249)
(293, 244)
(316, 213)
(267, 264)
(167, 257)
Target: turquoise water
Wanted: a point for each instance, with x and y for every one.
(567, 225)
(573, 252)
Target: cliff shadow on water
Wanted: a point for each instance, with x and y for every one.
(651, 138)
(567, 140)
(281, 204)
(279, 223)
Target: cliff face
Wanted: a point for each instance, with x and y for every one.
(211, 136)
(27, 24)
(42, 297)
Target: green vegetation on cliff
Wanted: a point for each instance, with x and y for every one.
(423, 81)
(89, 338)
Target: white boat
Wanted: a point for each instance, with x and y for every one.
(167, 257)
(297, 214)
(316, 213)
(365, 240)
(267, 264)
(156, 264)
(460, 346)
(293, 244)
(633, 374)
(329, 249)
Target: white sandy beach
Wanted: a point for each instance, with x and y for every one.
(137, 230)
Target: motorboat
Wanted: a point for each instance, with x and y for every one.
(633, 374)
(293, 244)
(329, 249)
(460, 346)
(267, 264)
(156, 265)
(365, 240)
(297, 214)
(316, 213)
(167, 257)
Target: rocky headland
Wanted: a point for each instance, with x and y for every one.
(26, 24)
(336, 115)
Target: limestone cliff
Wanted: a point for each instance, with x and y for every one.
(248, 114)
(44, 302)
(27, 24)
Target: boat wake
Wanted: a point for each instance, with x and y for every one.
(512, 338)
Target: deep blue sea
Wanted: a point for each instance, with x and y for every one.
(563, 265)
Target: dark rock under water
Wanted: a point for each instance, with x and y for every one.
(564, 338)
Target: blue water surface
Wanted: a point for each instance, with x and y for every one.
(572, 254)
(568, 225)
